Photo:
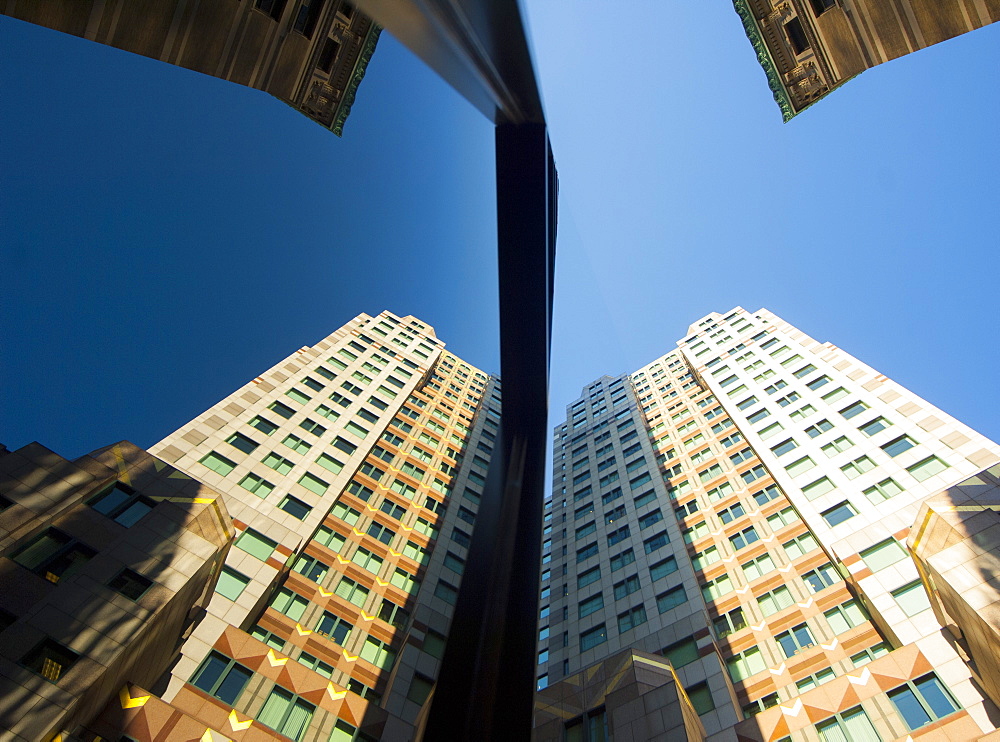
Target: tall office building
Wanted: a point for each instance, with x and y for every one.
(350, 476)
(725, 554)
(311, 54)
(810, 47)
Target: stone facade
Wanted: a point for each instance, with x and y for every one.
(311, 54)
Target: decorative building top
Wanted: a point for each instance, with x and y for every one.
(778, 90)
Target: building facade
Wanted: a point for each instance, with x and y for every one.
(343, 466)
(810, 47)
(311, 54)
(346, 481)
(741, 507)
(107, 561)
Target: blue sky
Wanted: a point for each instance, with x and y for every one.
(167, 236)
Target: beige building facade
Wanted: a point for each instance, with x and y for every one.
(311, 54)
(810, 47)
(289, 559)
(741, 507)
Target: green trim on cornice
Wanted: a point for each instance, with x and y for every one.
(360, 67)
(774, 82)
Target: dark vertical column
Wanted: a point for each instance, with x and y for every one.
(485, 688)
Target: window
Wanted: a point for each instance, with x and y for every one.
(297, 396)
(744, 538)
(671, 598)
(314, 663)
(650, 518)
(818, 488)
(927, 468)
(846, 616)
(758, 567)
(760, 705)
(281, 409)
(367, 560)
(856, 468)
(221, 677)
(404, 581)
(819, 428)
(334, 628)
(230, 585)
(53, 555)
(695, 532)
(278, 463)
(346, 514)
(821, 6)
(883, 554)
(622, 560)
(717, 588)
(875, 426)
(729, 623)
(795, 640)
(818, 382)
(882, 491)
(700, 697)
(591, 605)
(653, 543)
(852, 725)
(912, 598)
(626, 587)
(352, 592)
(586, 552)
(800, 545)
(745, 664)
(585, 530)
(758, 416)
(256, 485)
(922, 701)
(330, 539)
(663, 568)
(731, 513)
(593, 637)
(775, 600)
(618, 535)
(784, 447)
(122, 505)
(217, 463)
(869, 654)
(771, 492)
(705, 557)
(242, 442)
(289, 603)
(721, 492)
(285, 712)
(311, 568)
(814, 681)
(295, 507)
(752, 475)
(839, 445)
(788, 399)
(682, 652)
(821, 577)
(855, 409)
(588, 577)
(839, 513)
(899, 445)
(802, 413)
(631, 618)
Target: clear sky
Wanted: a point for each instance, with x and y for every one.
(167, 236)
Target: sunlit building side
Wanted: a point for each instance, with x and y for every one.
(739, 510)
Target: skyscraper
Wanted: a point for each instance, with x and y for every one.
(352, 472)
(808, 49)
(310, 54)
(741, 508)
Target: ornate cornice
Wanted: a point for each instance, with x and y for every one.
(778, 90)
(344, 109)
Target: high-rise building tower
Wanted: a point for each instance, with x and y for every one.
(311, 54)
(343, 466)
(809, 48)
(349, 475)
(726, 551)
